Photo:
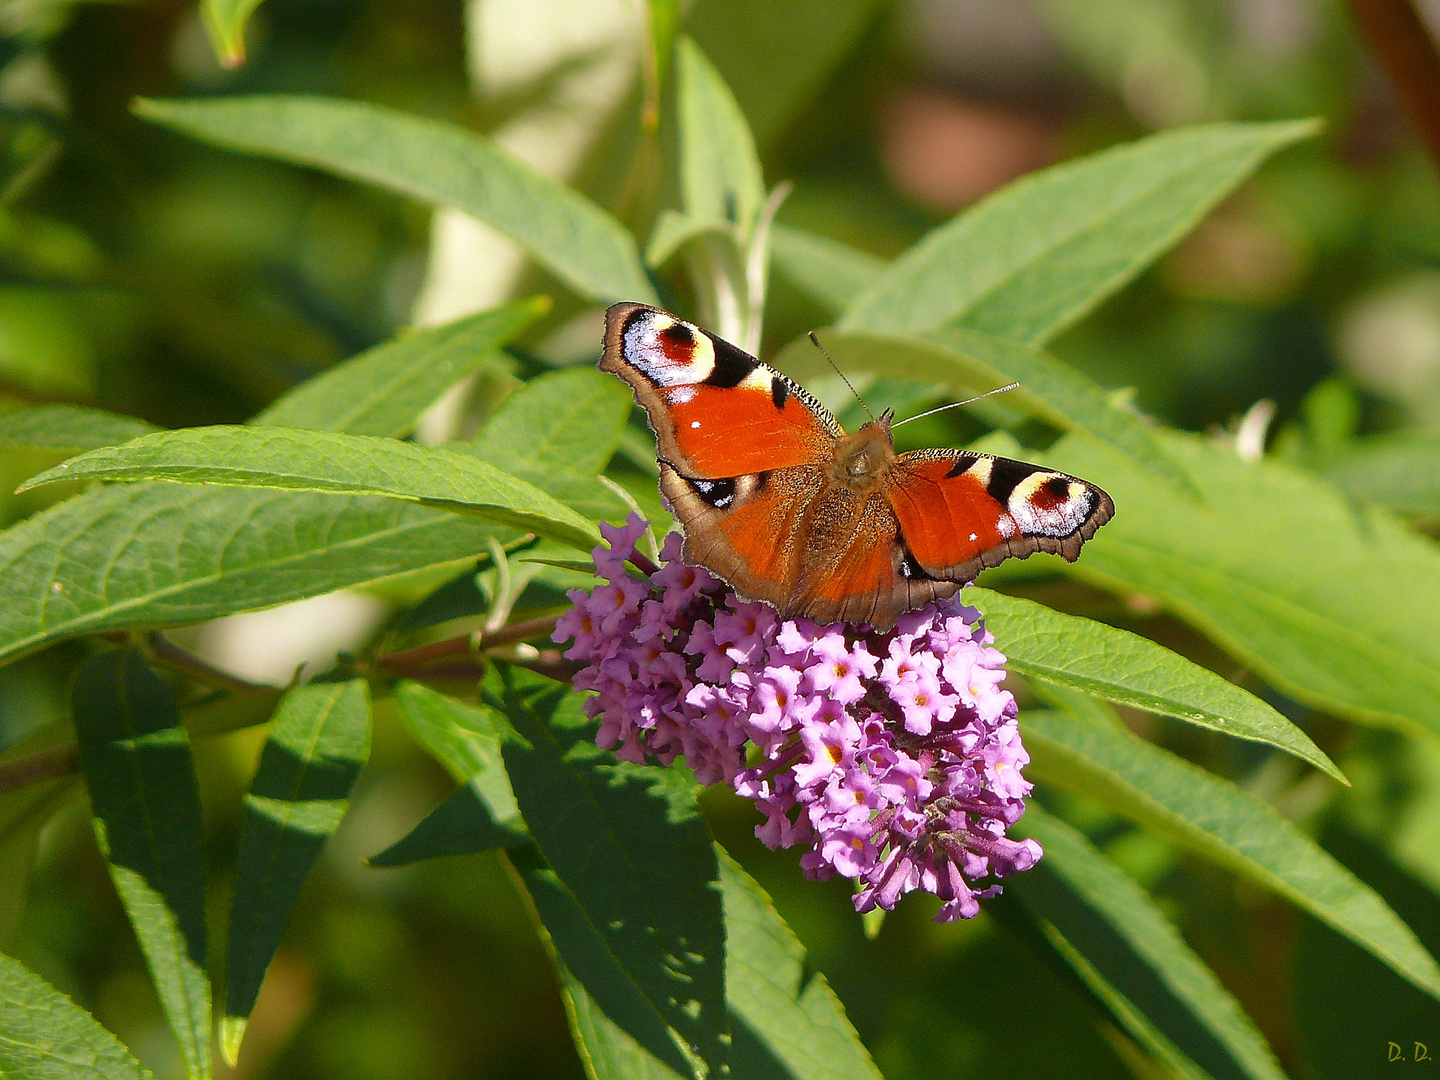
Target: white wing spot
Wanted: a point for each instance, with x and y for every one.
(694, 423)
(974, 536)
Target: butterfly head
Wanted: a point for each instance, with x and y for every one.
(861, 458)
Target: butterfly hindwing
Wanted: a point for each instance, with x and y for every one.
(716, 411)
(959, 513)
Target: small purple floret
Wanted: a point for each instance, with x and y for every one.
(894, 756)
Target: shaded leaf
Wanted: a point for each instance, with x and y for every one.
(69, 429)
(785, 1019)
(384, 390)
(972, 363)
(1209, 815)
(439, 163)
(1119, 666)
(319, 740)
(146, 804)
(674, 230)
(1336, 604)
(294, 460)
(829, 272)
(1121, 935)
(461, 825)
(629, 843)
(465, 740)
(151, 555)
(720, 175)
(23, 813)
(1036, 256)
(46, 1036)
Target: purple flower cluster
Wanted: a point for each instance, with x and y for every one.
(895, 756)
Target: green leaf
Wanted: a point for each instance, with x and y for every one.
(1038, 255)
(783, 1014)
(629, 844)
(720, 175)
(384, 390)
(146, 804)
(225, 25)
(46, 1036)
(69, 429)
(461, 825)
(1209, 815)
(1400, 470)
(325, 461)
(776, 57)
(674, 230)
(466, 741)
(319, 740)
(438, 163)
(1337, 605)
(150, 555)
(1126, 668)
(972, 363)
(829, 272)
(563, 423)
(1117, 929)
(23, 813)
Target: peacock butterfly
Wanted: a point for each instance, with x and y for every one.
(775, 498)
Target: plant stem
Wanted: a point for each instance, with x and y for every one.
(44, 764)
(468, 643)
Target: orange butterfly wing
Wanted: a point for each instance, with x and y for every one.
(959, 513)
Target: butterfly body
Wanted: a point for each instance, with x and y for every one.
(778, 500)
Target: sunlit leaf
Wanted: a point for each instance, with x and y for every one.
(1036, 256)
(1332, 602)
(1211, 816)
(829, 272)
(385, 389)
(151, 555)
(225, 24)
(1126, 668)
(323, 461)
(720, 176)
(46, 1036)
(1400, 470)
(319, 740)
(439, 163)
(146, 806)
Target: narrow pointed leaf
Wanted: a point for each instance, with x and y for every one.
(23, 813)
(630, 845)
(146, 805)
(785, 1019)
(46, 1036)
(1106, 915)
(319, 740)
(829, 272)
(1126, 668)
(324, 461)
(152, 555)
(69, 429)
(972, 363)
(1156, 789)
(1337, 604)
(384, 390)
(461, 825)
(1036, 256)
(466, 741)
(563, 424)
(720, 177)
(673, 231)
(438, 163)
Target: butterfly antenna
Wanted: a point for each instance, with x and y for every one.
(816, 342)
(957, 404)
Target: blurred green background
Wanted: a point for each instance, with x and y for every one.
(154, 276)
